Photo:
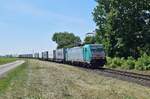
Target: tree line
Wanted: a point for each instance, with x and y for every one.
(123, 27)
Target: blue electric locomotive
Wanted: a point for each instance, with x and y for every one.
(91, 55)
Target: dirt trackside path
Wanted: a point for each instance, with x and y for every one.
(7, 67)
(56, 81)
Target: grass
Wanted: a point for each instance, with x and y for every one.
(12, 76)
(44, 80)
(6, 60)
(12, 80)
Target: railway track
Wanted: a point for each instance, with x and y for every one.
(141, 79)
(127, 76)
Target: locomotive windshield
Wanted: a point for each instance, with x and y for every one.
(97, 52)
(96, 49)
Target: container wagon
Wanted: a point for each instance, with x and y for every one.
(59, 55)
(36, 55)
(26, 56)
(45, 55)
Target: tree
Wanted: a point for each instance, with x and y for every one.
(66, 39)
(123, 26)
(89, 40)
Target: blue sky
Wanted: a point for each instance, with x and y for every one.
(27, 25)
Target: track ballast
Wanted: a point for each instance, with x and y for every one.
(124, 75)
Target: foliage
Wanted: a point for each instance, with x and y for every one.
(6, 60)
(129, 63)
(89, 40)
(66, 39)
(123, 27)
(115, 62)
(142, 63)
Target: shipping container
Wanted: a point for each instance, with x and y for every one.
(36, 55)
(59, 55)
(45, 55)
(40, 55)
(26, 56)
(50, 55)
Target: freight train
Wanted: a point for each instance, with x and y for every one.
(89, 55)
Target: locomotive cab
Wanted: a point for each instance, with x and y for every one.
(94, 54)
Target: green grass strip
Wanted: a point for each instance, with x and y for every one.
(15, 74)
(7, 60)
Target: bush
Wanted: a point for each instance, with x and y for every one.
(129, 63)
(115, 62)
(142, 63)
(109, 61)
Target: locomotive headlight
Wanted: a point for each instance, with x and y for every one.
(99, 55)
(102, 54)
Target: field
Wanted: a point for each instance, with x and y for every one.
(44, 80)
(6, 60)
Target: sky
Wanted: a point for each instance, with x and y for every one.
(27, 26)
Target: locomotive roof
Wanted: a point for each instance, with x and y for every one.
(93, 45)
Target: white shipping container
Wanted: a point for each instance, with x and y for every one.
(36, 55)
(75, 54)
(60, 54)
(45, 55)
(50, 54)
(40, 55)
